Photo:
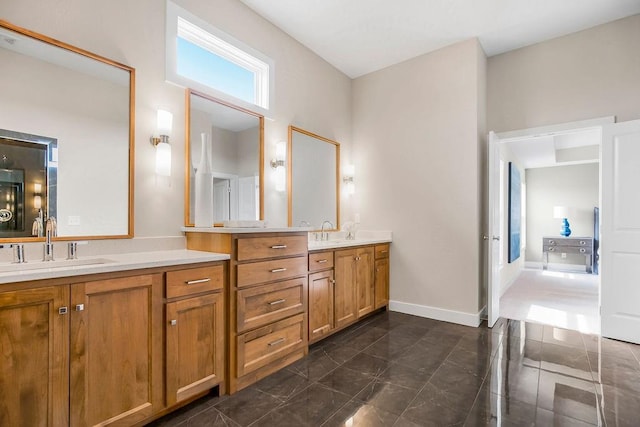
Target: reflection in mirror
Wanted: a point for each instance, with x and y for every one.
(83, 103)
(235, 159)
(28, 177)
(313, 179)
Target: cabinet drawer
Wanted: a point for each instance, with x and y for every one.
(271, 247)
(194, 280)
(261, 305)
(382, 251)
(268, 271)
(568, 249)
(320, 261)
(550, 241)
(265, 345)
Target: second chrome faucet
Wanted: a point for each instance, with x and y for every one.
(50, 230)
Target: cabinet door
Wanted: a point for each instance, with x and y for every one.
(195, 346)
(34, 357)
(116, 350)
(382, 282)
(320, 304)
(365, 280)
(345, 300)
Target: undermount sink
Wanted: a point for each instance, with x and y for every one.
(48, 265)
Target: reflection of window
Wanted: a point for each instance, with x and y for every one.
(204, 58)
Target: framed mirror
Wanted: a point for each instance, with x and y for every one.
(228, 141)
(66, 140)
(313, 179)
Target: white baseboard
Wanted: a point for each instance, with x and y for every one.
(556, 266)
(462, 318)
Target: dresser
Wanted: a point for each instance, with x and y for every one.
(568, 245)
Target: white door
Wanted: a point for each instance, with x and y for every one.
(493, 232)
(620, 231)
(249, 203)
(221, 200)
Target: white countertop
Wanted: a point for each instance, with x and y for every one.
(104, 264)
(232, 230)
(339, 240)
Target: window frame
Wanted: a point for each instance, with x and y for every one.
(181, 23)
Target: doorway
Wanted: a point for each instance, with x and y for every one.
(560, 166)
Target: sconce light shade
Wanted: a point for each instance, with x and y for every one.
(164, 122)
(278, 163)
(163, 159)
(348, 179)
(37, 202)
(37, 195)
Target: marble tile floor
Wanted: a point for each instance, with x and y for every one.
(400, 370)
(564, 299)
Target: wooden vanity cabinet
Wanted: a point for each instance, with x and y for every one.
(195, 329)
(34, 344)
(89, 350)
(381, 276)
(354, 288)
(267, 300)
(321, 291)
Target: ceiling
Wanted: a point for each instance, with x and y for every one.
(557, 149)
(361, 36)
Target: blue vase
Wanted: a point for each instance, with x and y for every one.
(565, 230)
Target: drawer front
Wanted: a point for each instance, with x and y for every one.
(265, 304)
(579, 242)
(382, 251)
(268, 271)
(258, 348)
(194, 280)
(320, 261)
(568, 249)
(271, 247)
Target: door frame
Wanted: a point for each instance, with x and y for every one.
(493, 281)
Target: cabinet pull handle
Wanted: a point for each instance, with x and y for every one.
(357, 258)
(63, 310)
(276, 342)
(278, 301)
(582, 242)
(333, 282)
(279, 247)
(552, 242)
(278, 270)
(384, 251)
(173, 322)
(195, 282)
(551, 249)
(322, 261)
(583, 250)
(80, 307)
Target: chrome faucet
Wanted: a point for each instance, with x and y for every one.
(51, 230)
(325, 235)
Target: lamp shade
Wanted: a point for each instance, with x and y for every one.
(561, 212)
(163, 159)
(164, 122)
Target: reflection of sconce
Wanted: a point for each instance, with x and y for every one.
(347, 178)
(37, 196)
(163, 149)
(278, 163)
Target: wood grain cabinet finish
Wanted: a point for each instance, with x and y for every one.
(321, 320)
(263, 247)
(34, 349)
(365, 280)
(268, 271)
(319, 261)
(381, 275)
(195, 331)
(345, 290)
(116, 350)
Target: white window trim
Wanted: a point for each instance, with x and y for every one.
(194, 30)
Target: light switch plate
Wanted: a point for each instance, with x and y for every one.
(73, 220)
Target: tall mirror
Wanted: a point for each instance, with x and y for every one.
(66, 140)
(313, 175)
(226, 142)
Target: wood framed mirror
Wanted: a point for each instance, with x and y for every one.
(236, 138)
(313, 176)
(66, 139)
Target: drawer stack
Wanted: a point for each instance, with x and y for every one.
(268, 305)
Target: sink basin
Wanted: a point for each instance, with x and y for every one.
(49, 265)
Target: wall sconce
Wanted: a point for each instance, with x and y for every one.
(37, 196)
(347, 179)
(278, 163)
(163, 149)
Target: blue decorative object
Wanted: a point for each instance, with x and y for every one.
(515, 212)
(565, 230)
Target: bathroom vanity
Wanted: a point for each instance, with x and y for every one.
(286, 291)
(118, 341)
